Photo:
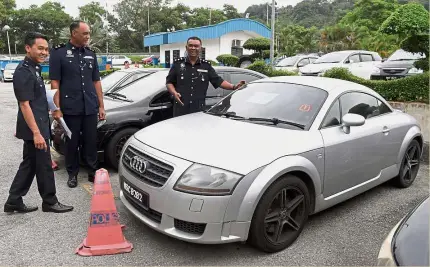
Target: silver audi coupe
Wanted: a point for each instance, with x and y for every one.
(256, 164)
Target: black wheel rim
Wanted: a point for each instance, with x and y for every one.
(120, 145)
(411, 163)
(285, 215)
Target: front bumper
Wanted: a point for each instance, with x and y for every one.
(188, 217)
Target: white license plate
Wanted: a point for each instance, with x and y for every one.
(140, 197)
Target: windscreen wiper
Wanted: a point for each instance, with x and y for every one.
(230, 114)
(276, 121)
(118, 96)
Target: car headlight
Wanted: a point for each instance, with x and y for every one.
(100, 123)
(205, 180)
(415, 71)
(376, 70)
(385, 256)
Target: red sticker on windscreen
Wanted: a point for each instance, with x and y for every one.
(305, 108)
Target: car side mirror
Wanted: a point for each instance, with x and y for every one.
(384, 59)
(351, 119)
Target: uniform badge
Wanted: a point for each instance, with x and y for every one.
(182, 66)
(69, 53)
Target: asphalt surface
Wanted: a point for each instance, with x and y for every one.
(348, 234)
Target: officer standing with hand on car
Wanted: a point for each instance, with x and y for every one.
(74, 72)
(32, 126)
(189, 78)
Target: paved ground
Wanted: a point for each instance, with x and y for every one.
(348, 234)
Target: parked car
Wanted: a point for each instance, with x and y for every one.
(295, 62)
(119, 60)
(136, 98)
(258, 163)
(8, 72)
(407, 244)
(361, 63)
(399, 65)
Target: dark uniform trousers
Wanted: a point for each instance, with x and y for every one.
(29, 86)
(35, 162)
(77, 69)
(87, 124)
(188, 108)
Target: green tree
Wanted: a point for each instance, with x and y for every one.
(369, 13)
(92, 13)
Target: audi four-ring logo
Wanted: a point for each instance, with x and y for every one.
(138, 164)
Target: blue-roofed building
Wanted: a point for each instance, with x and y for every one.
(226, 37)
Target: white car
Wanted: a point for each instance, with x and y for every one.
(295, 62)
(361, 63)
(9, 70)
(120, 60)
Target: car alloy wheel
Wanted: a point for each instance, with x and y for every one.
(116, 144)
(280, 215)
(410, 165)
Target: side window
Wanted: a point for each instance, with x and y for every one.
(361, 104)
(366, 57)
(333, 116)
(354, 59)
(236, 77)
(383, 109)
(303, 62)
(214, 92)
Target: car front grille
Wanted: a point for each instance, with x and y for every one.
(190, 227)
(156, 172)
(393, 71)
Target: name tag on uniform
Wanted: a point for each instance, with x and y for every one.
(88, 57)
(201, 70)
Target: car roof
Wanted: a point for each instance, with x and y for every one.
(324, 83)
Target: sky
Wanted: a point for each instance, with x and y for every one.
(72, 8)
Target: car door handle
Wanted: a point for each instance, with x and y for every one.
(386, 130)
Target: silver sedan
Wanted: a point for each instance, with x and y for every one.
(258, 163)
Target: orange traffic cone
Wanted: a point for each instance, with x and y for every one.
(104, 232)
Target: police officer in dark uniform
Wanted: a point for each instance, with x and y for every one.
(33, 127)
(189, 78)
(74, 72)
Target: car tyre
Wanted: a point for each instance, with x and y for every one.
(285, 206)
(116, 144)
(410, 166)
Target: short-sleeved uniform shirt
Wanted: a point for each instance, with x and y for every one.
(28, 85)
(192, 81)
(76, 68)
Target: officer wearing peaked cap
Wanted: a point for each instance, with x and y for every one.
(74, 72)
(189, 78)
(32, 127)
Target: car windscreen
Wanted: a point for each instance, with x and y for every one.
(289, 102)
(109, 80)
(145, 86)
(287, 62)
(400, 55)
(11, 66)
(334, 57)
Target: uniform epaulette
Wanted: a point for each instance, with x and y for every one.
(59, 45)
(205, 61)
(180, 59)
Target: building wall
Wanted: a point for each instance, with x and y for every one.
(226, 41)
(214, 47)
(211, 45)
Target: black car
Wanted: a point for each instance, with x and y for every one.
(408, 242)
(399, 65)
(137, 98)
